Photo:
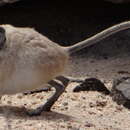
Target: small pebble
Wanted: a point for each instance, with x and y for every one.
(87, 124)
(91, 104)
(9, 102)
(20, 96)
(101, 103)
(65, 103)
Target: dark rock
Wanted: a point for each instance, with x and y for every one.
(121, 91)
(92, 84)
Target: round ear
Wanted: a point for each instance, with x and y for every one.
(2, 37)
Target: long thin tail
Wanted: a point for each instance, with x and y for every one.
(98, 37)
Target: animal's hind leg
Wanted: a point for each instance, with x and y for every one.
(67, 79)
(60, 88)
(63, 79)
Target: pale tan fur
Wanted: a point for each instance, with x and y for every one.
(28, 60)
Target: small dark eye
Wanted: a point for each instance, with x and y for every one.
(2, 30)
(2, 37)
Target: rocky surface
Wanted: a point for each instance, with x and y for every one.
(92, 84)
(121, 91)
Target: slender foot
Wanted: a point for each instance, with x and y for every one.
(60, 88)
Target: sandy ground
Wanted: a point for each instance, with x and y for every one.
(73, 111)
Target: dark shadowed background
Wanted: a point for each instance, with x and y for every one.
(68, 22)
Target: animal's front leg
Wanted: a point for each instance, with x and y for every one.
(48, 88)
(60, 88)
(64, 79)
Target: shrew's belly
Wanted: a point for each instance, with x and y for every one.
(21, 82)
(28, 79)
(31, 70)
